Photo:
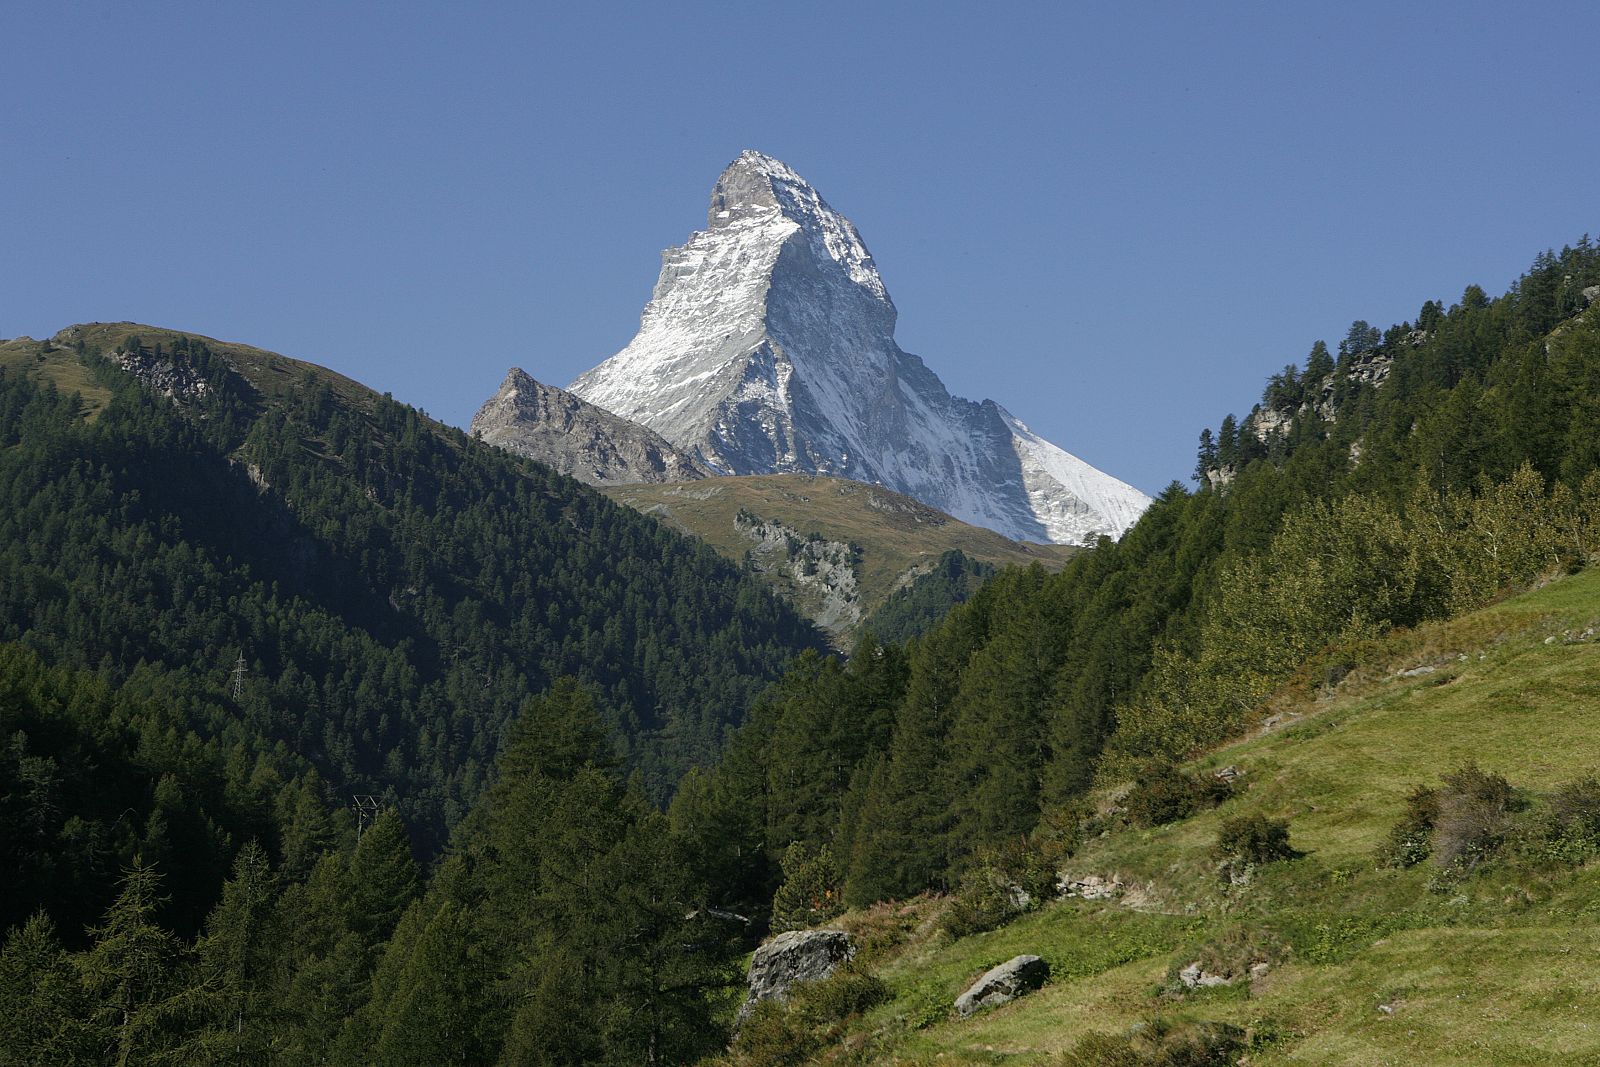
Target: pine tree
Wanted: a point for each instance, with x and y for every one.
(1228, 443)
(135, 971)
(556, 733)
(1206, 457)
(1360, 338)
(871, 875)
(810, 893)
(383, 877)
(308, 830)
(428, 1001)
(238, 955)
(1319, 364)
(666, 961)
(329, 963)
(43, 1003)
(998, 747)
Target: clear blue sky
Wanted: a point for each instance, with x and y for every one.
(1115, 220)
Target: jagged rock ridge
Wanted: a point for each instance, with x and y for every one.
(768, 346)
(576, 438)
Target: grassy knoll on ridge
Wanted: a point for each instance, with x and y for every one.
(1368, 964)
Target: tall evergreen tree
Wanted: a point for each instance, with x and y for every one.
(237, 958)
(44, 1005)
(383, 877)
(136, 972)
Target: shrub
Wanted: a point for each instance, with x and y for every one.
(772, 1036)
(1474, 813)
(810, 891)
(1254, 839)
(1458, 824)
(980, 904)
(1231, 953)
(1160, 1043)
(781, 1034)
(1102, 1050)
(1411, 839)
(849, 991)
(1575, 808)
(1005, 882)
(880, 928)
(1162, 793)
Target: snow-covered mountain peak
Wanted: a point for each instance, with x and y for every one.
(768, 347)
(756, 187)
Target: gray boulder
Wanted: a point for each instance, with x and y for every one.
(1007, 982)
(792, 958)
(1195, 976)
(1091, 887)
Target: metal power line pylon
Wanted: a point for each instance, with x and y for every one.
(367, 809)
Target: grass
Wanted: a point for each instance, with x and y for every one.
(45, 362)
(899, 536)
(1383, 966)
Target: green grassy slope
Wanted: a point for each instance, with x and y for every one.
(1382, 965)
(898, 536)
(46, 362)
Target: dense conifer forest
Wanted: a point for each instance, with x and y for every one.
(919, 606)
(228, 611)
(521, 674)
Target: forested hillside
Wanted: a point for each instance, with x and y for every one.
(270, 571)
(918, 606)
(567, 924)
(1415, 475)
(1402, 867)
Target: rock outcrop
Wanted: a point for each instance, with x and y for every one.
(998, 985)
(1091, 887)
(173, 377)
(822, 572)
(576, 438)
(792, 958)
(1195, 976)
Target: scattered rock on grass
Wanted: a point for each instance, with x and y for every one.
(999, 985)
(1196, 977)
(1091, 887)
(795, 957)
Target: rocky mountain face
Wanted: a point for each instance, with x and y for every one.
(576, 438)
(768, 347)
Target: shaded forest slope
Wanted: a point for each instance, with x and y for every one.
(348, 582)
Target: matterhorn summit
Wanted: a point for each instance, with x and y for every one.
(768, 346)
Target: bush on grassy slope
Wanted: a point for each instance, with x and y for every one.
(1160, 1043)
